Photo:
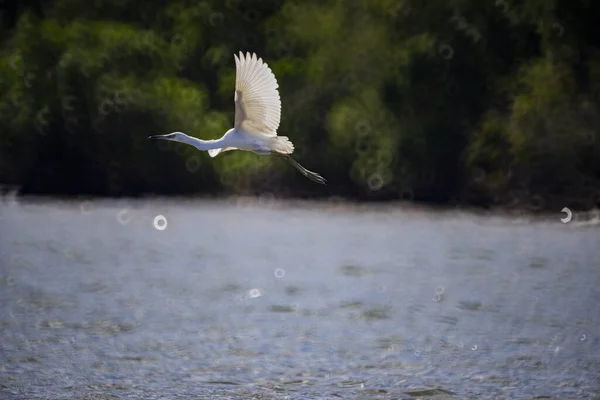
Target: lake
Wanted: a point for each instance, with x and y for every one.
(262, 299)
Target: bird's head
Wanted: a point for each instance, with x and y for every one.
(174, 136)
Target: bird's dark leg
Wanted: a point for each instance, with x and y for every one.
(313, 176)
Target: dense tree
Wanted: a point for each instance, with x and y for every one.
(460, 101)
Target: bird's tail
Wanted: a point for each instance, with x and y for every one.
(282, 144)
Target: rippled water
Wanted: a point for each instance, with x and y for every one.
(258, 299)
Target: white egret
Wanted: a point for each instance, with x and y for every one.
(257, 115)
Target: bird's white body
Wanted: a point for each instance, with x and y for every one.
(235, 139)
(257, 117)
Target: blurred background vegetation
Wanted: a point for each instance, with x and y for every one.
(449, 101)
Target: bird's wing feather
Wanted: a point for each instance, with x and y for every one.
(215, 152)
(257, 102)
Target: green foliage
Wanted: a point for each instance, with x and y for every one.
(484, 102)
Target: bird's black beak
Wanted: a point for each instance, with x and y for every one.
(155, 137)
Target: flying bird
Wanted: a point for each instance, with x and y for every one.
(257, 116)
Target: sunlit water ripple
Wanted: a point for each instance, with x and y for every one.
(260, 299)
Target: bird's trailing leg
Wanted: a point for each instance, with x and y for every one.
(313, 176)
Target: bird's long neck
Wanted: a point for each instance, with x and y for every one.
(202, 144)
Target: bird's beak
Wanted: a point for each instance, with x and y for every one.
(156, 137)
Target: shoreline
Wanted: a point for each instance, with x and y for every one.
(335, 202)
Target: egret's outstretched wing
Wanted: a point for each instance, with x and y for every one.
(257, 102)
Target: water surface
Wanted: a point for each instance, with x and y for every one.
(266, 300)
